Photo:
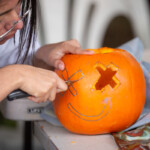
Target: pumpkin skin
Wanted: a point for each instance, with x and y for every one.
(110, 96)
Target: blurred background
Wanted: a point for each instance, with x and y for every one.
(94, 23)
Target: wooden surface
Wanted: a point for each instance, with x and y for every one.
(58, 138)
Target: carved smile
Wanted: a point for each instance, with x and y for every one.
(105, 111)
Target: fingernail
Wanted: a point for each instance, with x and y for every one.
(90, 52)
(61, 66)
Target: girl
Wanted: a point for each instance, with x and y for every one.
(24, 64)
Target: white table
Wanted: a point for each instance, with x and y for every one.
(58, 138)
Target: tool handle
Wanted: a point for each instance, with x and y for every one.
(17, 94)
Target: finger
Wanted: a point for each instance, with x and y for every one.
(34, 99)
(52, 95)
(58, 64)
(67, 48)
(37, 99)
(73, 42)
(88, 52)
(61, 85)
(60, 90)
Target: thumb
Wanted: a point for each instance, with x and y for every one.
(61, 85)
(58, 64)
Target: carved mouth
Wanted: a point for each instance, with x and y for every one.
(104, 112)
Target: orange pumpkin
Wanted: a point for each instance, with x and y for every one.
(106, 92)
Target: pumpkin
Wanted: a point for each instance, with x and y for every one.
(106, 92)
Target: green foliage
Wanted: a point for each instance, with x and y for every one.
(7, 123)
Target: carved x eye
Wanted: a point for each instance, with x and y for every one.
(107, 76)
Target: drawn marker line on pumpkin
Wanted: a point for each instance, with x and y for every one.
(70, 82)
(98, 117)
